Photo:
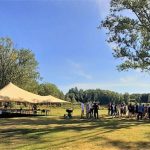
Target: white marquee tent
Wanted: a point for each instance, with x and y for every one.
(12, 93)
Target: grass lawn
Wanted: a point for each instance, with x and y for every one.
(53, 132)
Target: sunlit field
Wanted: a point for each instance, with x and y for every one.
(53, 132)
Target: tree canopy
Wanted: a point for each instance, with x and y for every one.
(17, 65)
(98, 95)
(104, 97)
(50, 89)
(128, 26)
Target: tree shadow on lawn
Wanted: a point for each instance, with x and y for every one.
(96, 136)
(32, 132)
(64, 125)
(118, 144)
(55, 120)
(123, 145)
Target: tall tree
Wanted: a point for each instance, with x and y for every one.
(50, 89)
(17, 65)
(130, 34)
(102, 96)
(126, 97)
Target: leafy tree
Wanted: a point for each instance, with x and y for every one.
(130, 35)
(74, 94)
(137, 97)
(126, 97)
(70, 97)
(102, 96)
(18, 66)
(50, 89)
(27, 66)
(144, 98)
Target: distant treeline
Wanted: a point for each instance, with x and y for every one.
(104, 96)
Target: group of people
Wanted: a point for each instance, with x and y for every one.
(132, 110)
(139, 111)
(91, 110)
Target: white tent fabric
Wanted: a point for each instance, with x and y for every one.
(15, 94)
(51, 99)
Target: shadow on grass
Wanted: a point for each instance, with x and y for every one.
(34, 128)
(128, 145)
(64, 125)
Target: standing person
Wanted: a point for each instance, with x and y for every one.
(145, 113)
(95, 107)
(109, 109)
(91, 110)
(126, 110)
(82, 110)
(140, 112)
(112, 109)
(121, 110)
(148, 111)
(116, 110)
(130, 110)
(87, 110)
(136, 109)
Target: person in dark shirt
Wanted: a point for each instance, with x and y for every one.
(112, 109)
(148, 111)
(140, 112)
(136, 108)
(95, 108)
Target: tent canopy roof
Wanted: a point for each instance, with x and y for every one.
(15, 94)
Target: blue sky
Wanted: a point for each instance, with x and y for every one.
(71, 51)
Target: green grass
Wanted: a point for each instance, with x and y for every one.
(54, 132)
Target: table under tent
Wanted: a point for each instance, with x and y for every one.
(26, 103)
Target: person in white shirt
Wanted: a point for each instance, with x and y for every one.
(82, 110)
(87, 110)
(91, 110)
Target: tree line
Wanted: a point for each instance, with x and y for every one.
(104, 97)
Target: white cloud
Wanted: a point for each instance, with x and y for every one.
(78, 69)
